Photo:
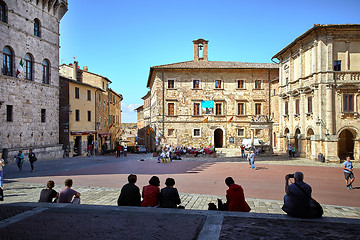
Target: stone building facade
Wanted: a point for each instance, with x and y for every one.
(202, 102)
(146, 134)
(107, 104)
(128, 134)
(115, 116)
(77, 116)
(29, 105)
(319, 85)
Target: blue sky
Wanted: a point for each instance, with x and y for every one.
(121, 39)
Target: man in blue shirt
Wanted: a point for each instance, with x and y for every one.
(251, 158)
(348, 172)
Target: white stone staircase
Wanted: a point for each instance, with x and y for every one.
(228, 152)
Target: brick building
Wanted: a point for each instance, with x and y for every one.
(202, 102)
(29, 105)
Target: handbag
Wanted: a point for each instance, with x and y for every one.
(1, 194)
(315, 210)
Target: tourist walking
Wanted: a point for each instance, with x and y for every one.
(118, 150)
(251, 159)
(293, 151)
(242, 147)
(349, 174)
(125, 150)
(89, 148)
(20, 160)
(290, 150)
(32, 158)
(48, 194)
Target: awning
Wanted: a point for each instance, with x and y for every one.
(104, 134)
(83, 132)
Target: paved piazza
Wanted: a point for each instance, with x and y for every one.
(199, 180)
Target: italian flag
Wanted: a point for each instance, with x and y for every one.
(20, 68)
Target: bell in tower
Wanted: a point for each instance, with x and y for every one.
(200, 50)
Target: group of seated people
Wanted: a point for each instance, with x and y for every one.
(167, 197)
(297, 201)
(66, 195)
(176, 153)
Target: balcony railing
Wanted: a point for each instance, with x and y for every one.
(347, 76)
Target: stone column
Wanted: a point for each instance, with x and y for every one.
(357, 149)
(252, 137)
(347, 57)
(330, 57)
(329, 110)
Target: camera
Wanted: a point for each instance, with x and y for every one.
(291, 175)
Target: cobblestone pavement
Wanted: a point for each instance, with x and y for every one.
(64, 221)
(26, 192)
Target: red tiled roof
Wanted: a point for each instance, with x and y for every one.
(216, 65)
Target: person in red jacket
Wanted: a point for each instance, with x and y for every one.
(151, 193)
(235, 197)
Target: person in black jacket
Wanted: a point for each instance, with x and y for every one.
(48, 194)
(32, 159)
(169, 196)
(130, 193)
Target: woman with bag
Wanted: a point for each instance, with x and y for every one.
(298, 201)
(32, 159)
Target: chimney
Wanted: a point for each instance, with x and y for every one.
(200, 50)
(75, 67)
(85, 68)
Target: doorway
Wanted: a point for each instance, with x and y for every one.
(346, 144)
(218, 138)
(309, 133)
(77, 146)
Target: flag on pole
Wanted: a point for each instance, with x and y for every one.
(231, 119)
(206, 120)
(20, 68)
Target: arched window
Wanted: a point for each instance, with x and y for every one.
(7, 62)
(46, 71)
(37, 29)
(28, 67)
(3, 12)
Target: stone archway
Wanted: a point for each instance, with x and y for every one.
(346, 144)
(218, 138)
(309, 133)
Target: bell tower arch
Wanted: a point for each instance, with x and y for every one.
(200, 50)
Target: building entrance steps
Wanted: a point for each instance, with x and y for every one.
(29, 221)
(30, 192)
(228, 152)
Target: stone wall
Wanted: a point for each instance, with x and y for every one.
(307, 71)
(179, 128)
(29, 97)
